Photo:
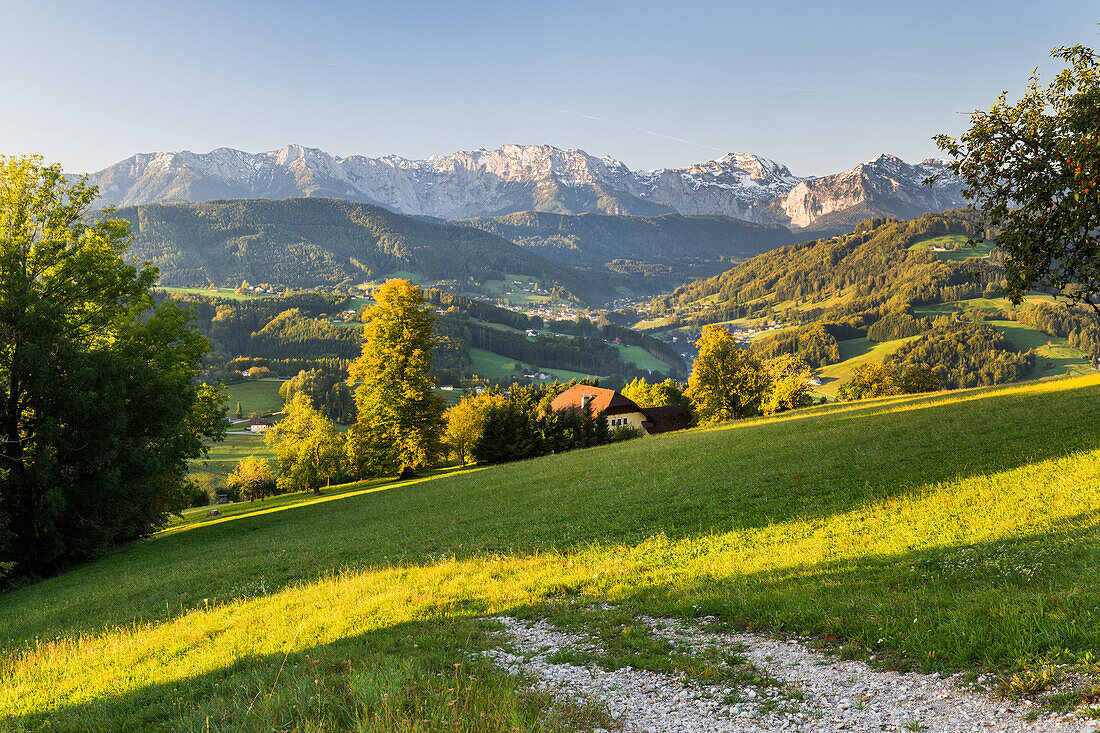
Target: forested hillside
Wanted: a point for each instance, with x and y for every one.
(303, 243)
(645, 253)
(907, 294)
(302, 331)
(873, 267)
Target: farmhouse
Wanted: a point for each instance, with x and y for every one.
(259, 424)
(620, 411)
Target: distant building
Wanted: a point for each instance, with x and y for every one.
(622, 412)
(259, 424)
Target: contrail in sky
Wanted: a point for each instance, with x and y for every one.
(639, 129)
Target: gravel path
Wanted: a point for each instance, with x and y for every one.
(836, 695)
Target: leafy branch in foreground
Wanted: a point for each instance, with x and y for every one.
(1032, 167)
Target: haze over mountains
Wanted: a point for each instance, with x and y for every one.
(515, 178)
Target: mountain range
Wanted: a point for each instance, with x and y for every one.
(543, 178)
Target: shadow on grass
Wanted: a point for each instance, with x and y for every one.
(411, 676)
(990, 606)
(745, 476)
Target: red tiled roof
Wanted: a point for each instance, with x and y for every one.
(601, 400)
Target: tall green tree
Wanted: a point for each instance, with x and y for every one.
(727, 382)
(644, 394)
(790, 389)
(329, 394)
(466, 423)
(1032, 167)
(400, 419)
(308, 448)
(100, 411)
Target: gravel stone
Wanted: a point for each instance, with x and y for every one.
(838, 695)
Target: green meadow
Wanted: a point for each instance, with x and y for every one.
(957, 250)
(494, 366)
(225, 455)
(853, 353)
(226, 293)
(257, 397)
(948, 532)
(1054, 357)
(642, 359)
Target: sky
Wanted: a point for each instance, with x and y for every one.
(819, 86)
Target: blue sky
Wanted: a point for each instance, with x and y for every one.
(819, 86)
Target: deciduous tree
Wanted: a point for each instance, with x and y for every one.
(253, 478)
(790, 388)
(1032, 167)
(727, 382)
(399, 425)
(466, 423)
(309, 450)
(100, 411)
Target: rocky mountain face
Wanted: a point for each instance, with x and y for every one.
(543, 178)
(887, 182)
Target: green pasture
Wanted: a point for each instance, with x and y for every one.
(957, 248)
(224, 455)
(1054, 357)
(497, 288)
(494, 366)
(642, 359)
(257, 397)
(853, 353)
(951, 532)
(226, 293)
(989, 305)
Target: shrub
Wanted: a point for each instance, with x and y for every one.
(625, 432)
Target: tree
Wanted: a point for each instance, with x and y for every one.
(790, 385)
(877, 379)
(400, 419)
(727, 382)
(873, 379)
(917, 378)
(100, 409)
(466, 423)
(330, 395)
(1032, 168)
(643, 394)
(309, 450)
(239, 414)
(252, 478)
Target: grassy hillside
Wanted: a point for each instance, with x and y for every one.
(876, 263)
(224, 456)
(257, 397)
(945, 532)
(854, 352)
(953, 248)
(646, 253)
(326, 242)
